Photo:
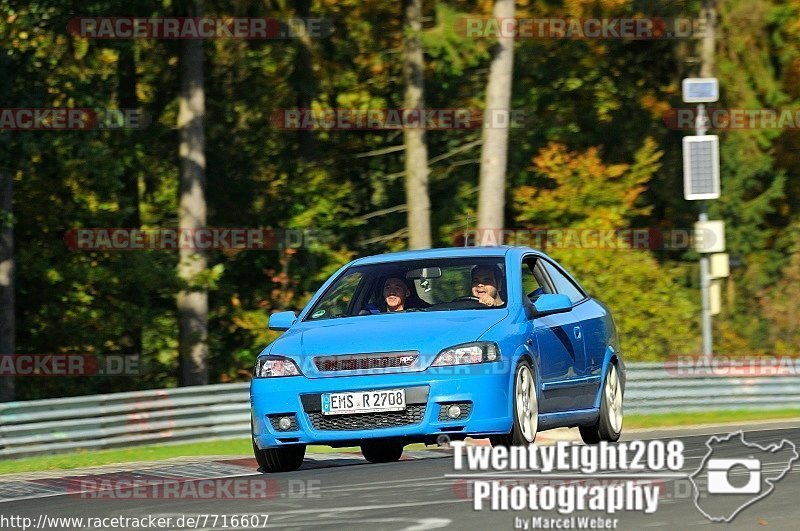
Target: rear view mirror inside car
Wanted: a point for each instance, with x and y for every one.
(425, 272)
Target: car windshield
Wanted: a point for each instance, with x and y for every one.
(414, 286)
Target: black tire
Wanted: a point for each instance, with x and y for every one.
(519, 435)
(382, 451)
(590, 434)
(260, 459)
(603, 429)
(283, 459)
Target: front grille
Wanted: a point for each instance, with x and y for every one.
(359, 362)
(413, 414)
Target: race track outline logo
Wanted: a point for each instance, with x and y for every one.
(716, 495)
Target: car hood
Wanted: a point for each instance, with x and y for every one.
(425, 332)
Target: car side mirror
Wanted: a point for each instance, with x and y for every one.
(551, 303)
(282, 320)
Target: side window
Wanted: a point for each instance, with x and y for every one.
(563, 284)
(337, 300)
(531, 287)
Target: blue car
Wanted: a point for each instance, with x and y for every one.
(416, 346)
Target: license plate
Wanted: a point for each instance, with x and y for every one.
(363, 402)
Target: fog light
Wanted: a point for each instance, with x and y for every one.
(454, 411)
(285, 423)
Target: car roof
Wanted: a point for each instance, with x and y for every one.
(446, 252)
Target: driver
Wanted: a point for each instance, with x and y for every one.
(485, 282)
(395, 293)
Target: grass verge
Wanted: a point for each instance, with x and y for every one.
(87, 458)
(239, 447)
(666, 420)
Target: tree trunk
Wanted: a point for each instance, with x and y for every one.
(302, 80)
(494, 152)
(708, 43)
(6, 280)
(131, 341)
(416, 159)
(193, 300)
(126, 93)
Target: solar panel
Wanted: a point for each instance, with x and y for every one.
(701, 167)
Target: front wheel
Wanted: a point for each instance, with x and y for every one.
(526, 409)
(382, 451)
(283, 459)
(609, 425)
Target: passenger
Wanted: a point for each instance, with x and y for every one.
(485, 282)
(395, 293)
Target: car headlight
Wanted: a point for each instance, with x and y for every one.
(273, 366)
(480, 352)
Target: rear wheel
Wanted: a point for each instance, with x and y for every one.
(382, 451)
(609, 425)
(526, 409)
(283, 459)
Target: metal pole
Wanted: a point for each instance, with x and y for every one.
(6, 279)
(701, 124)
(705, 293)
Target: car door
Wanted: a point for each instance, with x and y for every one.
(558, 350)
(578, 389)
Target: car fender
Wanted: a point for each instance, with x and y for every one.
(611, 356)
(513, 332)
(531, 353)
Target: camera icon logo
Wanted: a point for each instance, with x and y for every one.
(735, 473)
(720, 469)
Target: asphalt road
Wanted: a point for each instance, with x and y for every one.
(415, 494)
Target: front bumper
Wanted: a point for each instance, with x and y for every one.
(483, 388)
